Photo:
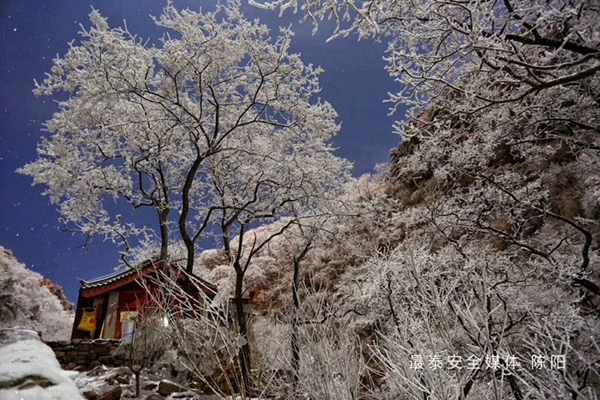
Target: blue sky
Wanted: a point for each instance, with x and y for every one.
(32, 33)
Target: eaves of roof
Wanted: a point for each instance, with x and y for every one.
(117, 279)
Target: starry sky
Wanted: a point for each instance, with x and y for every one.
(33, 32)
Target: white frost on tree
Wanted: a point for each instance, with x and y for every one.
(24, 301)
(217, 129)
(157, 127)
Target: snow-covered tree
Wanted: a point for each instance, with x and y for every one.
(271, 177)
(219, 125)
(492, 196)
(519, 55)
(505, 112)
(26, 301)
(143, 122)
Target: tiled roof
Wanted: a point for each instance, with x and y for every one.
(113, 277)
(118, 275)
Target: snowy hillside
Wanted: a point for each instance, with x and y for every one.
(471, 262)
(26, 300)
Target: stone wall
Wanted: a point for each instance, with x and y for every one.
(86, 354)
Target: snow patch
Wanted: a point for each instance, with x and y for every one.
(25, 360)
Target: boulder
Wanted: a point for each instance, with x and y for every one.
(90, 394)
(166, 388)
(123, 379)
(149, 386)
(113, 394)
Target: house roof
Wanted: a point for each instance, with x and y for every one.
(116, 276)
(120, 278)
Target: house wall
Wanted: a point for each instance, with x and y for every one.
(131, 296)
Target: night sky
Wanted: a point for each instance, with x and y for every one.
(33, 32)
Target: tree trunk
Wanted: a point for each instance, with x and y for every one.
(514, 386)
(244, 353)
(164, 235)
(185, 208)
(137, 383)
(295, 327)
(296, 316)
(189, 268)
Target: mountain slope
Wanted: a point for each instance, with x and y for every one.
(27, 300)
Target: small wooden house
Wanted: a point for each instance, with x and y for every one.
(108, 307)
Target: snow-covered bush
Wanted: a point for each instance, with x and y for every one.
(24, 301)
(473, 308)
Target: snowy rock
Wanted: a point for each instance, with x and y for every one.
(184, 395)
(30, 371)
(166, 388)
(150, 386)
(155, 397)
(90, 394)
(119, 375)
(123, 379)
(112, 394)
(99, 370)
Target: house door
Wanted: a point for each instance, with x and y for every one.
(110, 323)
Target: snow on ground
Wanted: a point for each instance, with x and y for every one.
(29, 370)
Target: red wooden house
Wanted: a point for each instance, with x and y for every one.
(106, 305)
